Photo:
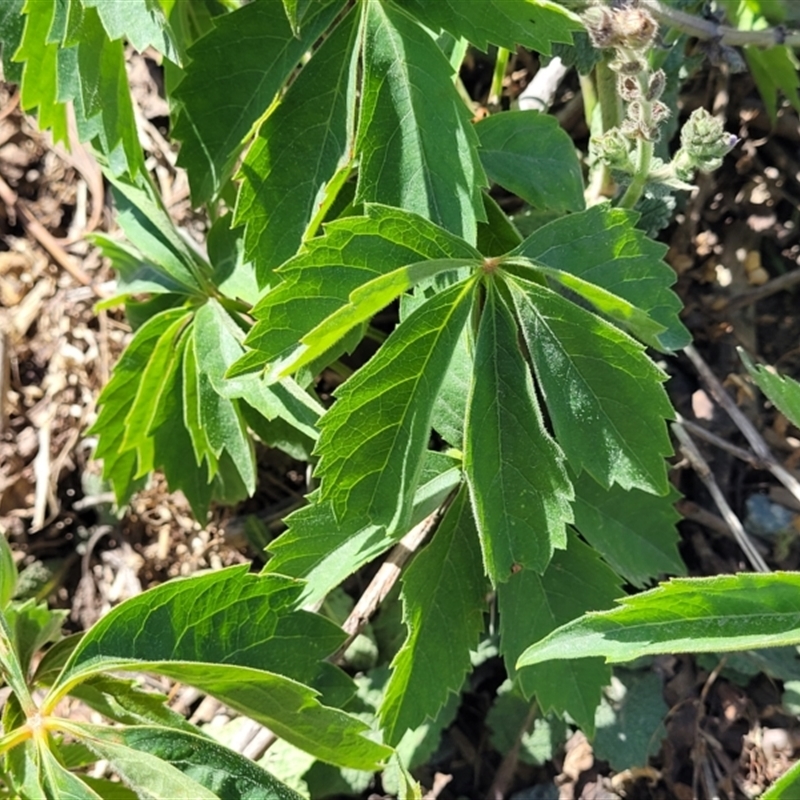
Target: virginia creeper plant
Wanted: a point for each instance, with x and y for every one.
(516, 399)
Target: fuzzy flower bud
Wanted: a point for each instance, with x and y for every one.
(629, 28)
(704, 144)
(612, 149)
(658, 80)
(628, 88)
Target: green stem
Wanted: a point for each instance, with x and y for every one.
(500, 66)
(608, 96)
(590, 99)
(636, 187)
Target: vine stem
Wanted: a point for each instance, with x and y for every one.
(724, 34)
(500, 66)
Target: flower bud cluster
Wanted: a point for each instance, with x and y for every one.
(630, 30)
(704, 143)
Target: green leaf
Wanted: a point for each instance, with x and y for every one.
(450, 408)
(603, 394)
(602, 246)
(529, 154)
(541, 738)
(620, 311)
(109, 789)
(373, 439)
(8, 571)
(148, 226)
(517, 478)
(444, 597)
(498, 234)
(774, 71)
(59, 782)
(21, 764)
(781, 390)
(157, 375)
(630, 720)
(91, 73)
(233, 275)
(33, 625)
(12, 23)
(220, 418)
(39, 58)
(701, 615)
(135, 274)
(532, 605)
(205, 763)
(324, 552)
(146, 774)
(786, 787)
(290, 172)
(142, 22)
(221, 632)
(408, 100)
(119, 468)
(266, 53)
(319, 281)
(173, 449)
(634, 531)
(507, 23)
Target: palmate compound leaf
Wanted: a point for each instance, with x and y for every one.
(516, 473)
(444, 597)
(531, 23)
(216, 116)
(373, 439)
(231, 634)
(324, 552)
(603, 394)
(532, 605)
(602, 246)
(417, 148)
(301, 155)
(320, 280)
(60, 782)
(780, 389)
(696, 615)
(529, 154)
(632, 530)
(182, 763)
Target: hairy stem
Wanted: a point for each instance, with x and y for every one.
(724, 34)
(500, 66)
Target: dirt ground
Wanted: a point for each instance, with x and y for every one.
(735, 246)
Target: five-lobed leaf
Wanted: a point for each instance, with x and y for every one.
(516, 473)
(443, 593)
(701, 615)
